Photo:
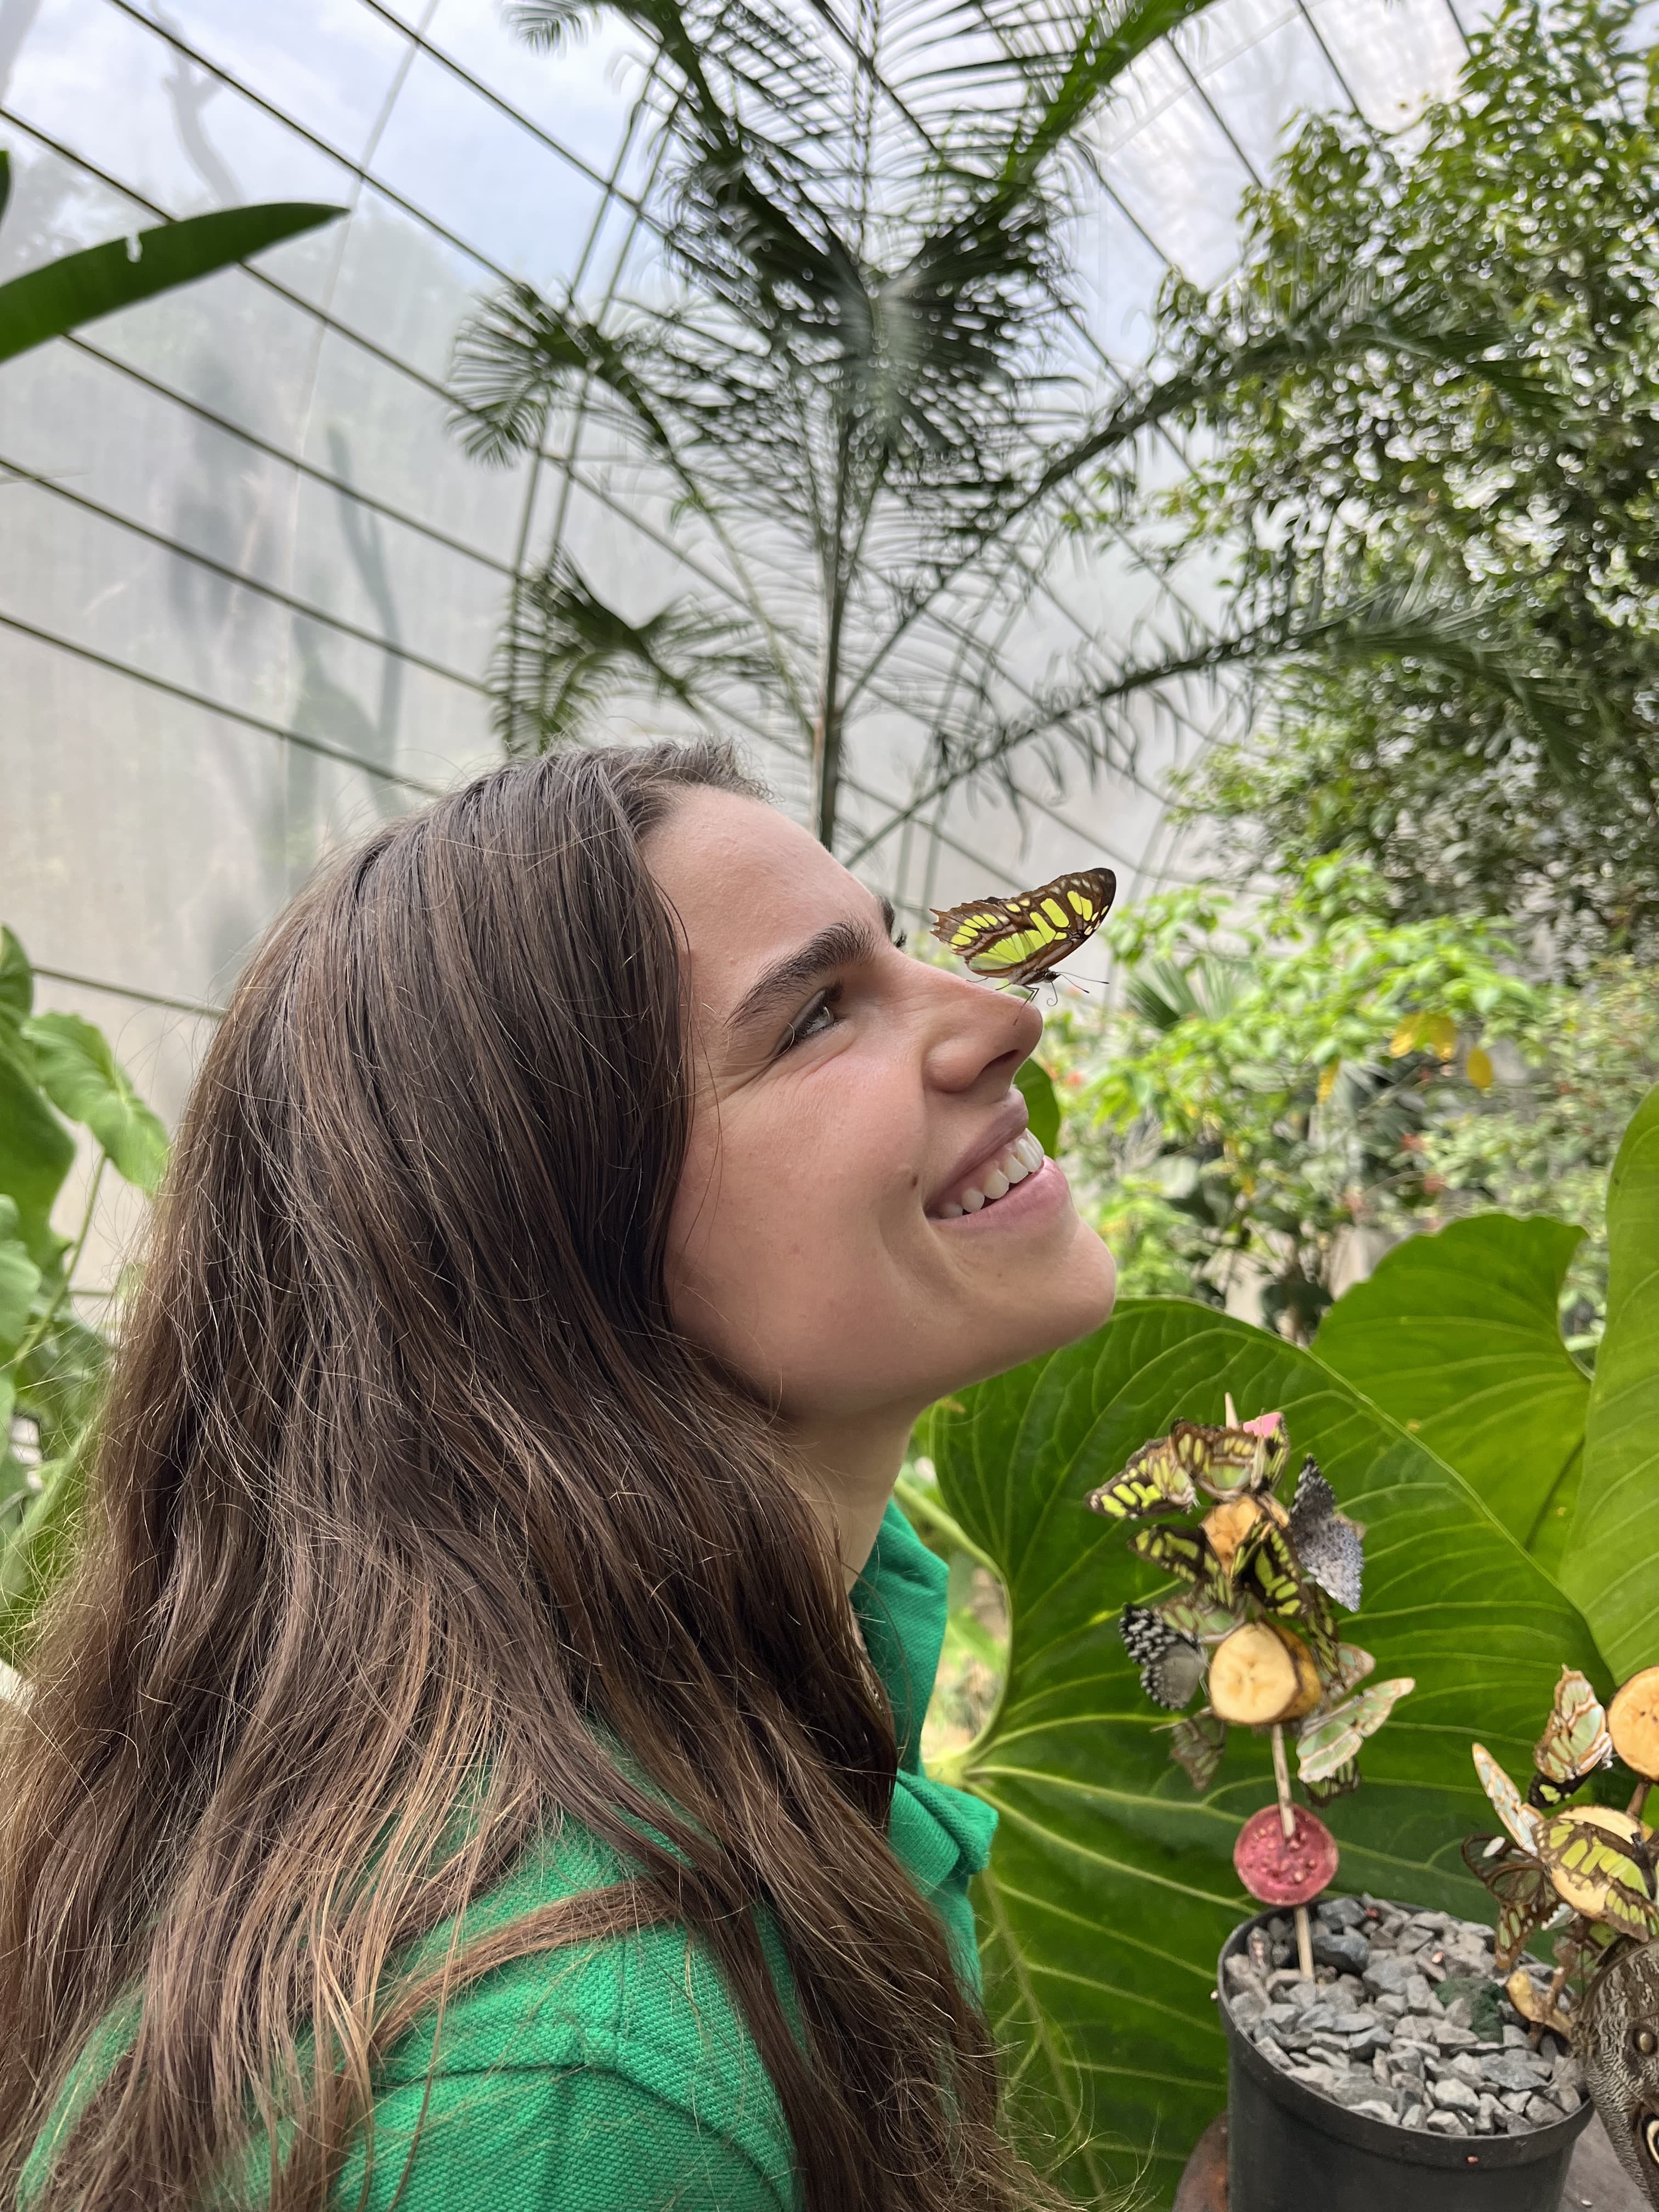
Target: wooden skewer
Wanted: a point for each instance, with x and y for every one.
(1287, 1825)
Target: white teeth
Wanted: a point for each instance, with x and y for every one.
(1022, 1157)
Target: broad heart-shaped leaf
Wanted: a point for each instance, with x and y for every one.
(1457, 1336)
(1111, 1887)
(1610, 1565)
(77, 288)
(36, 1151)
(83, 1079)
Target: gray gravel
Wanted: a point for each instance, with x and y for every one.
(1403, 2020)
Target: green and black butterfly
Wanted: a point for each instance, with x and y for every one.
(1524, 1894)
(1575, 1742)
(1265, 1566)
(1024, 939)
(1166, 1474)
(1196, 1744)
(1186, 1553)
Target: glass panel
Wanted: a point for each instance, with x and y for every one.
(484, 177)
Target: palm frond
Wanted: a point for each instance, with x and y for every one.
(516, 356)
(566, 653)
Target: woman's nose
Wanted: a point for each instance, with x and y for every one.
(979, 1034)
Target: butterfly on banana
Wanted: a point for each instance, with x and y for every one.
(1022, 940)
(1168, 1644)
(1166, 1476)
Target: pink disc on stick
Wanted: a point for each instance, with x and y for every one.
(1283, 1869)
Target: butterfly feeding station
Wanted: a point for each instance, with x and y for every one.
(1589, 1874)
(1254, 1625)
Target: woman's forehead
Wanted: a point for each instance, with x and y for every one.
(748, 886)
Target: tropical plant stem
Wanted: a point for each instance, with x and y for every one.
(38, 1328)
(827, 747)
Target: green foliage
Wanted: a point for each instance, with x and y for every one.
(1266, 1083)
(1609, 1566)
(79, 1075)
(1544, 1140)
(1509, 497)
(1036, 1086)
(1111, 1886)
(853, 389)
(54, 1068)
(77, 288)
(1457, 1336)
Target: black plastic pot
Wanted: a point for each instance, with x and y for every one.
(1290, 2149)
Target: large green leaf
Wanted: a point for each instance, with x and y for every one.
(77, 288)
(1609, 1567)
(1457, 1336)
(36, 1153)
(20, 1279)
(1036, 1087)
(1111, 1887)
(83, 1079)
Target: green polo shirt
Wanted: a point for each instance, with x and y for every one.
(618, 2076)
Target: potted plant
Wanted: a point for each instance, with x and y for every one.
(1586, 1872)
(1372, 2057)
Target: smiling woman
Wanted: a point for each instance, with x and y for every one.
(474, 1759)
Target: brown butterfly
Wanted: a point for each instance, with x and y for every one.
(1024, 939)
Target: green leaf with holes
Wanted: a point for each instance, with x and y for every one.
(1458, 1337)
(1609, 1566)
(1111, 1887)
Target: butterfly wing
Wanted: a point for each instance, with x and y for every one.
(1583, 1861)
(1171, 1666)
(1327, 1542)
(1521, 1888)
(1197, 1745)
(1191, 1614)
(1024, 938)
(1265, 1565)
(1330, 1741)
(1186, 1553)
(1228, 1463)
(1337, 1783)
(1352, 1665)
(1575, 1742)
(1512, 1808)
(1158, 1479)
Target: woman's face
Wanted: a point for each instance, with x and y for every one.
(851, 1107)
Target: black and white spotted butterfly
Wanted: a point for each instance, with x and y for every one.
(1172, 1665)
(1329, 1547)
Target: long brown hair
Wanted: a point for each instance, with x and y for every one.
(408, 1487)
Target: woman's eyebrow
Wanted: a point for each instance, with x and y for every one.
(842, 944)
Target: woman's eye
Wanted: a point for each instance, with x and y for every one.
(818, 1018)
